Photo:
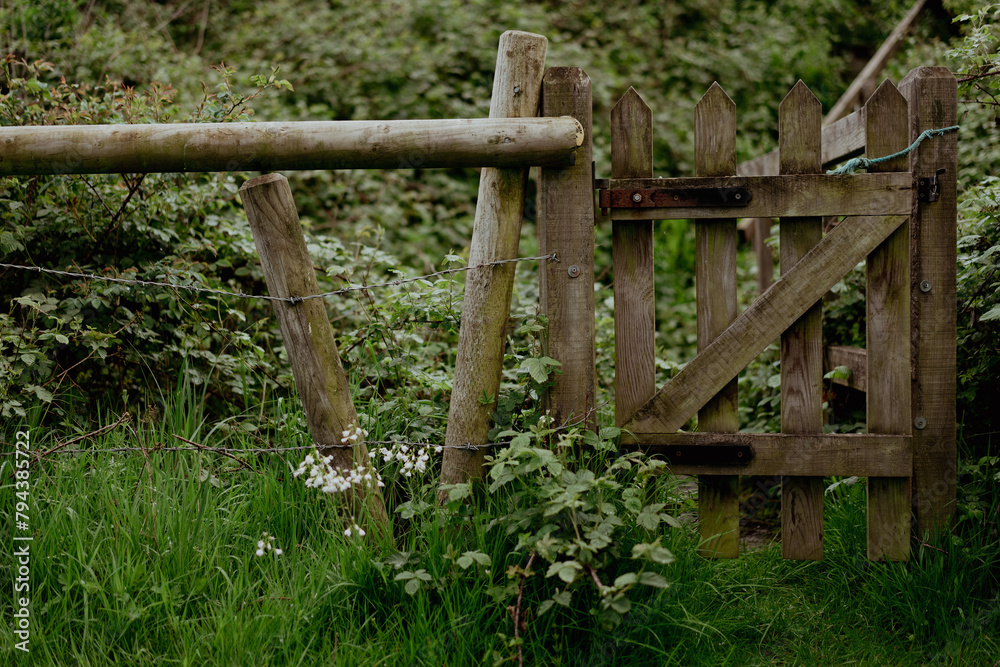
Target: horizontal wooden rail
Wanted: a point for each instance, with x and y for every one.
(773, 196)
(792, 454)
(401, 144)
(854, 359)
(842, 140)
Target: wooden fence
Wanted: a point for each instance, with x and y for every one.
(901, 218)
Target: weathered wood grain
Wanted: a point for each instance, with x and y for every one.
(760, 324)
(632, 259)
(856, 361)
(842, 139)
(887, 301)
(790, 195)
(791, 454)
(931, 92)
(566, 227)
(362, 144)
(495, 236)
(799, 139)
(307, 335)
(715, 284)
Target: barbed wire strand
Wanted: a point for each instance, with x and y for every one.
(264, 297)
(227, 451)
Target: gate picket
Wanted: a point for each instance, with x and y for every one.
(715, 283)
(888, 342)
(632, 257)
(799, 142)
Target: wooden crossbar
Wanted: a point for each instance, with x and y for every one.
(376, 144)
(791, 454)
(773, 196)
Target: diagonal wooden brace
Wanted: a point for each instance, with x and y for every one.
(760, 324)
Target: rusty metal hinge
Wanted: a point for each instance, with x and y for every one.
(928, 187)
(669, 197)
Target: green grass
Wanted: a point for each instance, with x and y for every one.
(150, 560)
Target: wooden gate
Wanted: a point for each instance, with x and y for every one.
(900, 217)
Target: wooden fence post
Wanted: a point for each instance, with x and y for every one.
(715, 284)
(800, 137)
(307, 334)
(932, 96)
(887, 298)
(632, 260)
(566, 227)
(495, 236)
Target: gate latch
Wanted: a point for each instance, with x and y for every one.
(928, 187)
(733, 455)
(669, 197)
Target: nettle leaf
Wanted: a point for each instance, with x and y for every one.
(653, 551)
(566, 570)
(627, 579)
(466, 560)
(621, 603)
(536, 367)
(991, 314)
(653, 579)
(545, 606)
(609, 432)
(649, 517)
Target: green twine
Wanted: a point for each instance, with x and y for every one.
(852, 166)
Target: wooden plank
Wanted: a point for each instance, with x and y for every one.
(842, 139)
(496, 233)
(361, 144)
(931, 92)
(760, 324)
(854, 358)
(759, 231)
(790, 195)
(632, 257)
(788, 454)
(566, 227)
(799, 140)
(854, 96)
(715, 284)
(887, 300)
(308, 337)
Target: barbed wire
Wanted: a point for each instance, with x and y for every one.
(227, 451)
(262, 450)
(264, 297)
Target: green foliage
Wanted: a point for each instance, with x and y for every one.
(977, 62)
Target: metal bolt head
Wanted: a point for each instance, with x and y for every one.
(573, 271)
(517, 89)
(919, 423)
(637, 197)
(925, 286)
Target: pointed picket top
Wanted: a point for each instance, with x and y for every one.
(631, 137)
(886, 111)
(800, 133)
(715, 134)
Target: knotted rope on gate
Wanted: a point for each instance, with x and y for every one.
(853, 165)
